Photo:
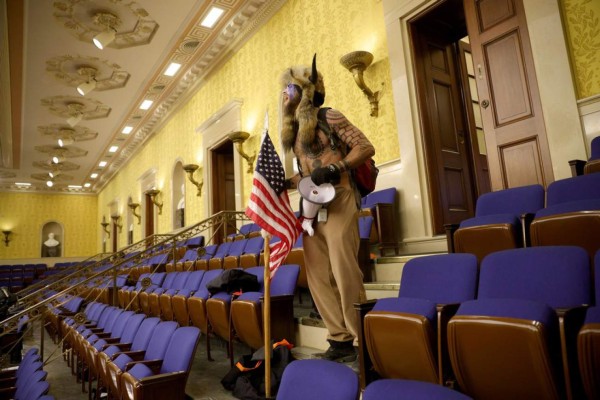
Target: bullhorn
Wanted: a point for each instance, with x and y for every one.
(313, 198)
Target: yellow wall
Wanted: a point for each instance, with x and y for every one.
(25, 215)
(582, 20)
(330, 28)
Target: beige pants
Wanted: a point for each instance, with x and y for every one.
(334, 277)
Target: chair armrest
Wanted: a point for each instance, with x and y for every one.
(450, 229)
(570, 321)
(162, 386)
(576, 167)
(365, 364)
(135, 355)
(110, 341)
(444, 313)
(154, 365)
(526, 220)
(122, 346)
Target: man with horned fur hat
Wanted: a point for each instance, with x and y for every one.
(330, 256)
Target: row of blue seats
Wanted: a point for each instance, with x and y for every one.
(27, 381)
(520, 326)
(129, 355)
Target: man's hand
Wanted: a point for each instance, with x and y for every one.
(328, 174)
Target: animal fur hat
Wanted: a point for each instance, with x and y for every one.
(305, 116)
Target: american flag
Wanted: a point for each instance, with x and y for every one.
(269, 205)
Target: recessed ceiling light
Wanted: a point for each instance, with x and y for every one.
(49, 183)
(94, 175)
(74, 186)
(22, 183)
(102, 164)
(172, 69)
(127, 130)
(146, 104)
(113, 149)
(87, 184)
(212, 17)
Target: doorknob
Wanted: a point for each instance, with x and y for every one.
(485, 104)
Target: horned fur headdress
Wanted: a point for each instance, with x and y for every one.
(305, 116)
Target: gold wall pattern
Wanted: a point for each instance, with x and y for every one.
(298, 30)
(582, 19)
(26, 213)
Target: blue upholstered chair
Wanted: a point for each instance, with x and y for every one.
(571, 216)
(507, 343)
(501, 221)
(155, 350)
(246, 310)
(163, 378)
(381, 205)
(402, 389)
(405, 335)
(185, 289)
(592, 165)
(251, 255)
(318, 380)
(588, 341)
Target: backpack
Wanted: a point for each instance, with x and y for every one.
(365, 175)
(233, 280)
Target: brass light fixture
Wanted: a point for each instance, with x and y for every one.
(153, 193)
(90, 83)
(357, 62)
(117, 221)
(134, 207)
(75, 112)
(238, 138)
(190, 169)
(7, 234)
(105, 226)
(109, 22)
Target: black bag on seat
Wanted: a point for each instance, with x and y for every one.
(233, 280)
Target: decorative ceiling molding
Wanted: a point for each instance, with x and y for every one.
(247, 21)
(62, 166)
(71, 71)
(61, 178)
(61, 131)
(67, 151)
(66, 106)
(134, 26)
(7, 175)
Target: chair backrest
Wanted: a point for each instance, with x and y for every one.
(237, 248)
(284, 281)
(254, 245)
(222, 250)
(210, 252)
(442, 279)
(583, 187)
(365, 224)
(194, 280)
(35, 390)
(160, 340)
(195, 241)
(247, 228)
(597, 278)
(595, 148)
(144, 333)
(516, 201)
(120, 323)
(131, 328)
(190, 255)
(383, 196)
(318, 379)
(202, 292)
(181, 350)
(558, 276)
(168, 281)
(259, 272)
(180, 280)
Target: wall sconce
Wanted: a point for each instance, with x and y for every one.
(134, 207)
(117, 221)
(109, 22)
(153, 193)
(238, 138)
(357, 62)
(6, 237)
(90, 82)
(105, 226)
(190, 169)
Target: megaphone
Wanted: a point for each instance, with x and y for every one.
(313, 198)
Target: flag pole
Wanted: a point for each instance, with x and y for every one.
(267, 317)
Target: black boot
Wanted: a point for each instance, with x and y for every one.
(339, 351)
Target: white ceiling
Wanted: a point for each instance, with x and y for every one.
(57, 43)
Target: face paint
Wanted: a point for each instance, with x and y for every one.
(294, 92)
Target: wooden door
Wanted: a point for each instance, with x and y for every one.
(442, 117)
(223, 183)
(515, 134)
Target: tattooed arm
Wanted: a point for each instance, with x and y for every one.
(351, 136)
